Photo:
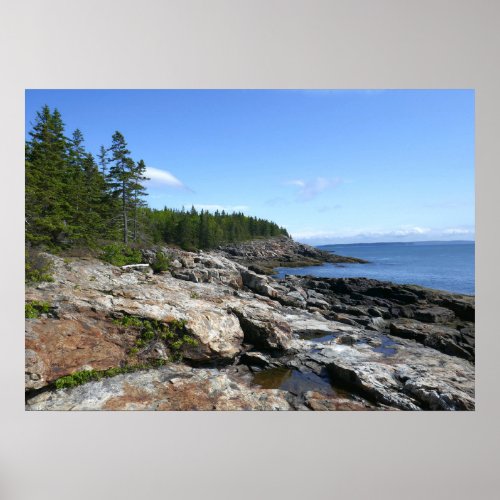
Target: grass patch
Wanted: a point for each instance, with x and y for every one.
(120, 254)
(36, 308)
(85, 376)
(172, 334)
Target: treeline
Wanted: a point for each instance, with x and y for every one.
(73, 199)
(192, 229)
(69, 200)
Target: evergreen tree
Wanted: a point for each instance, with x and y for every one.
(120, 178)
(95, 206)
(138, 192)
(46, 195)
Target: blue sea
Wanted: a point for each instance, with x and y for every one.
(441, 265)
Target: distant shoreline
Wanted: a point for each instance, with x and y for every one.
(433, 242)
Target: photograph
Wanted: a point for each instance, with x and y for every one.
(249, 249)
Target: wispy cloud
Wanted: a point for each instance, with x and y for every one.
(310, 188)
(459, 231)
(164, 177)
(279, 200)
(328, 208)
(407, 231)
(220, 208)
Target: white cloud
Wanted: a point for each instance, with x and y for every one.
(164, 177)
(297, 182)
(403, 233)
(309, 189)
(407, 231)
(458, 230)
(328, 208)
(220, 208)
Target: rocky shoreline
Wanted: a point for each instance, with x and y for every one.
(263, 256)
(213, 334)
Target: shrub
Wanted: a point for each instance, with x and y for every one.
(37, 268)
(172, 334)
(119, 254)
(160, 263)
(35, 308)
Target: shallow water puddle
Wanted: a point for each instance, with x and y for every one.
(387, 347)
(294, 381)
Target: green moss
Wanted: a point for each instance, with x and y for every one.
(128, 321)
(85, 376)
(176, 345)
(194, 295)
(189, 340)
(35, 308)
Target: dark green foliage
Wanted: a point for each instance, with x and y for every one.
(67, 201)
(160, 263)
(192, 229)
(47, 200)
(138, 193)
(119, 254)
(37, 268)
(125, 181)
(35, 308)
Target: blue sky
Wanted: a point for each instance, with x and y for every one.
(332, 166)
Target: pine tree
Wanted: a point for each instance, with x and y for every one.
(47, 200)
(95, 203)
(120, 178)
(138, 192)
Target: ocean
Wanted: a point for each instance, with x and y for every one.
(441, 265)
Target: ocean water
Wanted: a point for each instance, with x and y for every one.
(441, 265)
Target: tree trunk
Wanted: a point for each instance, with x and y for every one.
(125, 221)
(135, 218)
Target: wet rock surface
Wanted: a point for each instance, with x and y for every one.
(253, 342)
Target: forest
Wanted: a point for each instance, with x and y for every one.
(73, 199)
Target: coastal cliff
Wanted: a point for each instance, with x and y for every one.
(211, 333)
